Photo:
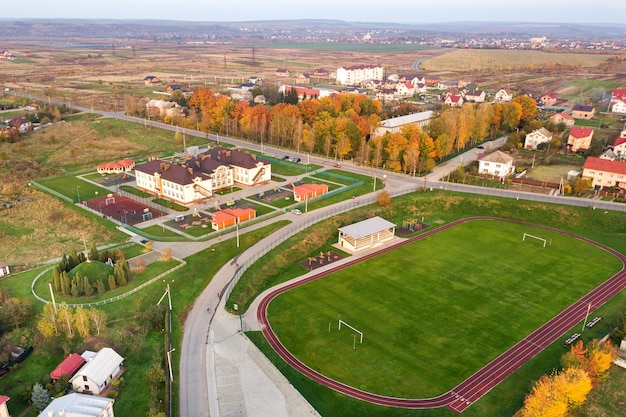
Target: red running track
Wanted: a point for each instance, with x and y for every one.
(467, 392)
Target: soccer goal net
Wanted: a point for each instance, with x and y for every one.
(533, 237)
(347, 325)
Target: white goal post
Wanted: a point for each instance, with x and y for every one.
(347, 325)
(109, 200)
(534, 237)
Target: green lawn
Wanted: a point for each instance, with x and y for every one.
(74, 188)
(423, 299)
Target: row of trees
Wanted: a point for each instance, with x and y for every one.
(64, 320)
(341, 126)
(583, 368)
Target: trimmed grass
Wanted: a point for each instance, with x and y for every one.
(159, 231)
(74, 188)
(423, 299)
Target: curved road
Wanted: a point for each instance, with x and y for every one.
(481, 382)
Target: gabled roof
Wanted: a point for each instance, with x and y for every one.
(549, 95)
(619, 94)
(580, 132)
(366, 227)
(407, 119)
(455, 99)
(543, 132)
(100, 367)
(605, 165)
(309, 188)
(498, 157)
(3, 399)
(69, 366)
(564, 115)
(77, 405)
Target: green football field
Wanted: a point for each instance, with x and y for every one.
(435, 311)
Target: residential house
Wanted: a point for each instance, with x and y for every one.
(564, 118)
(405, 89)
(468, 85)
(477, 96)
(303, 78)
(497, 163)
(306, 191)
(583, 112)
(151, 80)
(415, 80)
(608, 154)
(282, 72)
(503, 96)
(619, 148)
(304, 92)
(321, 72)
(371, 84)
(98, 372)
(79, 405)
(254, 80)
(395, 124)
(20, 123)
(260, 99)
(161, 108)
(69, 366)
(386, 95)
(537, 137)
(605, 173)
(200, 176)
(618, 101)
(4, 411)
(358, 73)
(432, 81)
(579, 138)
(231, 216)
(549, 99)
(4, 269)
(173, 87)
(454, 101)
(619, 106)
(444, 85)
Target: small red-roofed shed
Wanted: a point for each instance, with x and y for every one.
(69, 366)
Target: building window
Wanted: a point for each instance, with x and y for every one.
(84, 378)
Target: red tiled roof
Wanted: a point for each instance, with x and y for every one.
(564, 115)
(69, 366)
(119, 164)
(580, 132)
(619, 94)
(309, 188)
(605, 165)
(3, 399)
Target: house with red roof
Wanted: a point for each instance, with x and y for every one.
(4, 411)
(119, 167)
(69, 366)
(579, 138)
(562, 117)
(231, 216)
(306, 191)
(605, 173)
(454, 101)
(405, 89)
(618, 95)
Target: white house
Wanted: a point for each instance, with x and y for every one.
(4, 269)
(454, 101)
(79, 405)
(503, 96)
(619, 107)
(98, 372)
(477, 96)
(496, 163)
(537, 137)
(405, 89)
(200, 176)
(619, 148)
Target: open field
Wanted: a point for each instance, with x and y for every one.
(430, 317)
(484, 60)
(551, 173)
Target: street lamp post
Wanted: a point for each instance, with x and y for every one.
(78, 193)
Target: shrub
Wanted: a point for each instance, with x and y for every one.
(113, 394)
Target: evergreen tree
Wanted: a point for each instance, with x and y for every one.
(65, 283)
(73, 261)
(127, 271)
(74, 288)
(112, 285)
(100, 287)
(93, 252)
(81, 258)
(87, 287)
(40, 397)
(56, 279)
(63, 263)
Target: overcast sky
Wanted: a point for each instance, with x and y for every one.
(401, 11)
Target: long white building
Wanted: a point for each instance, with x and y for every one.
(359, 73)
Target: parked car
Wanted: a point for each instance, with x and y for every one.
(144, 241)
(286, 157)
(296, 211)
(296, 159)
